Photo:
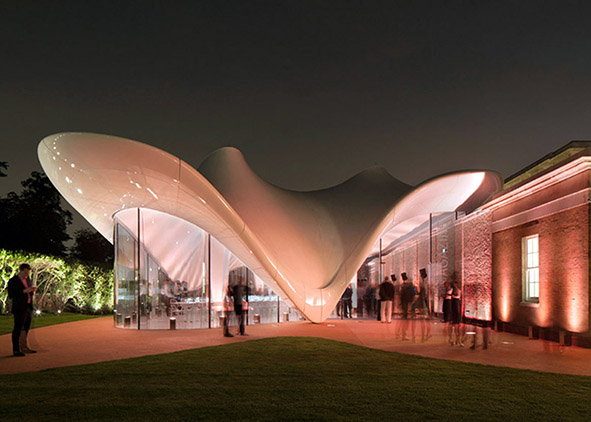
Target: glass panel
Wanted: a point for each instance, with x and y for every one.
(174, 274)
(219, 277)
(532, 282)
(262, 302)
(125, 279)
(227, 271)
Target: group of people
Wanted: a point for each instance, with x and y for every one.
(412, 300)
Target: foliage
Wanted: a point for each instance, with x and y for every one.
(292, 379)
(34, 220)
(84, 287)
(90, 245)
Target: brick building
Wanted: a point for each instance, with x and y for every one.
(522, 257)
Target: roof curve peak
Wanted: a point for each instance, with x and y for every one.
(230, 157)
(308, 245)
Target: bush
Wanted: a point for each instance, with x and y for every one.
(86, 287)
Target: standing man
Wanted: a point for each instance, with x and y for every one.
(347, 301)
(21, 291)
(240, 295)
(386, 298)
(407, 296)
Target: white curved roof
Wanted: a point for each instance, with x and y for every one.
(307, 246)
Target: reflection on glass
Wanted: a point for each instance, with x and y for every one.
(125, 279)
(182, 276)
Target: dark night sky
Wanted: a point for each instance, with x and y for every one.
(310, 92)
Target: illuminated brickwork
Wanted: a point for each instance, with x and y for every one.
(477, 266)
(564, 272)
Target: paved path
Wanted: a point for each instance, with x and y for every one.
(96, 340)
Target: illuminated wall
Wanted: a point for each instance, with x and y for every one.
(555, 206)
(477, 265)
(564, 272)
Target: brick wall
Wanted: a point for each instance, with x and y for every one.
(564, 272)
(477, 266)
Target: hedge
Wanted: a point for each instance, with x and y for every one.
(62, 284)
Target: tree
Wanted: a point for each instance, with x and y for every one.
(34, 221)
(3, 166)
(92, 246)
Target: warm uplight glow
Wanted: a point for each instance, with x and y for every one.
(575, 301)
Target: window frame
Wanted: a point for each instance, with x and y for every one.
(527, 284)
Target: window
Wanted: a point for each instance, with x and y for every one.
(531, 268)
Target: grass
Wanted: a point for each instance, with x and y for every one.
(43, 320)
(299, 379)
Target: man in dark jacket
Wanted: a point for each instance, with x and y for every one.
(386, 293)
(21, 291)
(407, 296)
(347, 301)
(240, 294)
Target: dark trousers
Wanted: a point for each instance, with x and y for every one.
(446, 310)
(347, 304)
(227, 316)
(404, 304)
(241, 316)
(22, 321)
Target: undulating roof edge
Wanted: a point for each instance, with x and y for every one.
(307, 245)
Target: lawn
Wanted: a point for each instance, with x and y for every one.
(292, 379)
(43, 320)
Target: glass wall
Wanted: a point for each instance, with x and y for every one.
(367, 305)
(227, 272)
(126, 293)
(180, 283)
(434, 248)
